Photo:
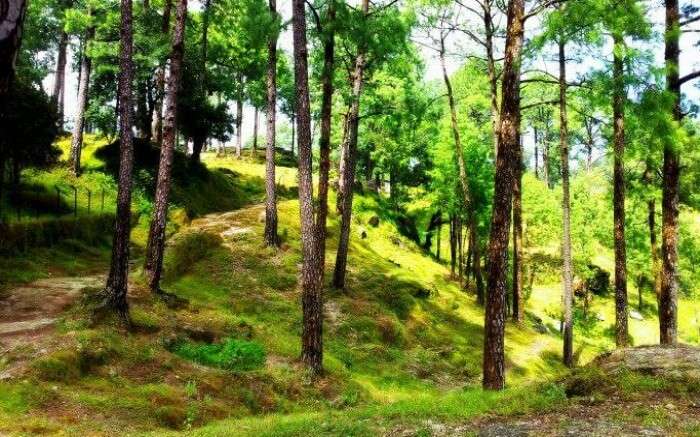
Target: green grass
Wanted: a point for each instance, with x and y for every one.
(402, 344)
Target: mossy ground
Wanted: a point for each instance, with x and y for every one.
(402, 343)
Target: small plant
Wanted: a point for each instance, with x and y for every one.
(231, 354)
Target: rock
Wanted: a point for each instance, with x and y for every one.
(600, 317)
(635, 315)
(374, 221)
(261, 217)
(677, 362)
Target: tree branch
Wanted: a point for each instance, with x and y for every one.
(545, 102)
(689, 77)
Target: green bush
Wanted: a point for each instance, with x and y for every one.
(231, 354)
(189, 248)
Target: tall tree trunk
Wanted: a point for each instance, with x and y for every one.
(254, 148)
(311, 274)
(621, 336)
(668, 311)
(518, 305)
(10, 40)
(568, 353)
(60, 79)
(116, 287)
(545, 156)
(459, 152)
(651, 222)
(294, 136)
(83, 92)
(537, 153)
(492, 75)
(156, 236)
(270, 234)
(438, 243)
(494, 326)
(239, 126)
(157, 127)
(327, 77)
(478, 277)
(453, 245)
(349, 152)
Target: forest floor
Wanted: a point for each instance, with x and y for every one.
(402, 343)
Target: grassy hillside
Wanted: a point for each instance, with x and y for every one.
(402, 343)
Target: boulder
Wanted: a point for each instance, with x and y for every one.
(635, 315)
(374, 221)
(680, 361)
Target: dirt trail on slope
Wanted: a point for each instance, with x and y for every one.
(29, 312)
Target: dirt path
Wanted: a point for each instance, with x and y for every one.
(29, 313)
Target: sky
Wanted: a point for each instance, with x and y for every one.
(460, 46)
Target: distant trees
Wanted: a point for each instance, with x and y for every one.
(28, 128)
(83, 92)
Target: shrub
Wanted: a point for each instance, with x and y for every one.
(189, 248)
(231, 354)
(398, 299)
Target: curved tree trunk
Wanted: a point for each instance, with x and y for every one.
(621, 335)
(311, 276)
(494, 325)
(668, 311)
(156, 236)
(270, 235)
(568, 353)
(83, 91)
(116, 288)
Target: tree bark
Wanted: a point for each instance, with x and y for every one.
(621, 334)
(349, 158)
(453, 246)
(254, 148)
(83, 92)
(493, 76)
(270, 234)
(311, 274)
(327, 77)
(494, 326)
(116, 287)
(651, 222)
(157, 127)
(668, 311)
(10, 40)
(60, 79)
(518, 305)
(568, 352)
(156, 237)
